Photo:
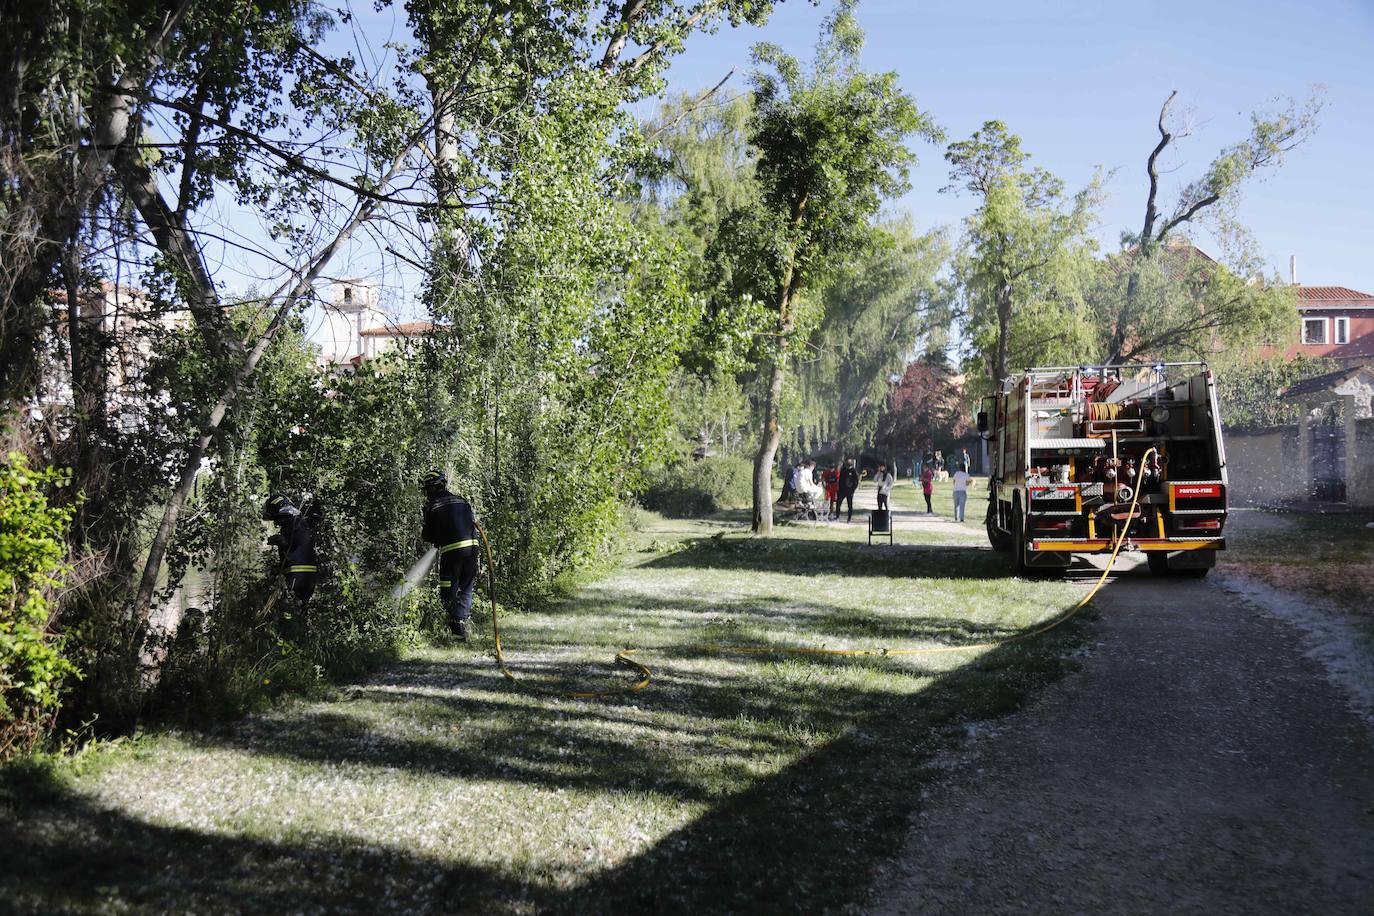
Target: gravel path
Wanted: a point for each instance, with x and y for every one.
(1200, 761)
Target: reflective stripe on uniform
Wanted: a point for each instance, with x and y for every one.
(458, 545)
(445, 583)
(304, 568)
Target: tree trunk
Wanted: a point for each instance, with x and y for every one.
(768, 447)
(772, 408)
(999, 366)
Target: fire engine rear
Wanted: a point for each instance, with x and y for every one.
(1080, 456)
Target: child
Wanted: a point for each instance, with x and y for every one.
(928, 486)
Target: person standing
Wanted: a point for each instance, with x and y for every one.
(295, 543)
(885, 480)
(849, 483)
(965, 461)
(961, 479)
(831, 478)
(928, 484)
(452, 528)
(789, 485)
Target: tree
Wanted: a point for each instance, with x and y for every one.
(830, 143)
(1155, 301)
(877, 311)
(568, 309)
(925, 407)
(1026, 243)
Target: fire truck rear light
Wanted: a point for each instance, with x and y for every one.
(1210, 524)
(1052, 526)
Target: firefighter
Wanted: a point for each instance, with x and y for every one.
(295, 541)
(451, 527)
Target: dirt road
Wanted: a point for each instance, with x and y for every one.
(1200, 761)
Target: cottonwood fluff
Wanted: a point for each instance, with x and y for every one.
(414, 574)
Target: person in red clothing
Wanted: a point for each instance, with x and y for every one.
(928, 485)
(831, 478)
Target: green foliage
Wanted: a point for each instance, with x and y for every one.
(1173, 302)
(32, 565)
(830, 142)
(1248, 389)
(1027, 253)
(692, 488)
(568, 336)
(878, 311)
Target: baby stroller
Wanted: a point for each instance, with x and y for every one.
(807, 506)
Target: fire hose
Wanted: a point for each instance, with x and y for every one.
(645, 675)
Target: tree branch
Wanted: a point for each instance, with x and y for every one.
(630, 13)
(172, 240)
(691, 107)
(1152, 170)
(681, 30)
(1187, 215)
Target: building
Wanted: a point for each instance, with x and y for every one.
(356, 329)
(1337, 323)
(378, 340)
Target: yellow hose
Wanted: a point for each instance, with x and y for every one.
(646, 676)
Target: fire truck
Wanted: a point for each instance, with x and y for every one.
(1083, 455)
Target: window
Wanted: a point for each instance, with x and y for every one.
(1314, 330)
(1342, 330)
(348, 294)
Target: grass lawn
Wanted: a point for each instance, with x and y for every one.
(1328, 555)
(734, 782)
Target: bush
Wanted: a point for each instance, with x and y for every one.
(32, 555)
(688, 488)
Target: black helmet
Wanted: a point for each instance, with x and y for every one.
(276, 506)
(433, 480)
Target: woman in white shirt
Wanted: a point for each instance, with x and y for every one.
(961, 479)
(885, 480)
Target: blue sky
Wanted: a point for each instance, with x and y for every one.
(1082, 83)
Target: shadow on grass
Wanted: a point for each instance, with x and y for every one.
(805, 838)
(66, 854)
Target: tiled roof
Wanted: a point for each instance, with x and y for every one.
(1324, 382)
(1331, 294)
(408, 329)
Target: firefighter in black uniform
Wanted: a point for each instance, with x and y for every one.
(451, 527)
(295, 541)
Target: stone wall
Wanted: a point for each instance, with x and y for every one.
(1360, 469)
(1262, 467)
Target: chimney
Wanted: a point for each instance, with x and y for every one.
(1293, 269)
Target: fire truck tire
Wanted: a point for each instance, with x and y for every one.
(999, 539)
(1018, 543)
(1159, 563)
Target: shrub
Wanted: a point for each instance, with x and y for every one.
(688, 488)
(32, 555)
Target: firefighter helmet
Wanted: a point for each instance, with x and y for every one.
(434, 480)
(276, 506)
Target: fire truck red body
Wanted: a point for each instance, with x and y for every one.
(1071, 447)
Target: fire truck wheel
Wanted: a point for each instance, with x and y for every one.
(1018, 543)
(1159, 563)
(999, 539)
